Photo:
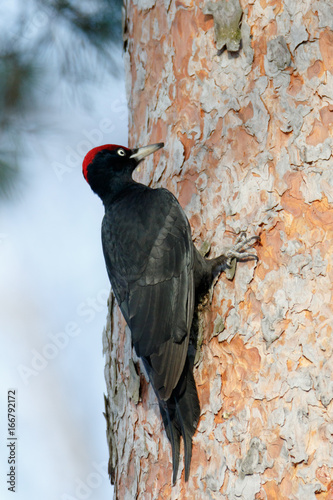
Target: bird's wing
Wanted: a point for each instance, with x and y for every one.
(149, 256)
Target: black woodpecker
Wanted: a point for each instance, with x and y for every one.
(157, 276)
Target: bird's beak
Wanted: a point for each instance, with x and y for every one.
(141, 153)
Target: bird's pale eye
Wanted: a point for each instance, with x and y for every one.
(121, 152)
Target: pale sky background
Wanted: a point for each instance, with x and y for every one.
(53, 292)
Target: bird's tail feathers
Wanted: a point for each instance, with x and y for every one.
(188, 413)
(173, 433)
(180, 415)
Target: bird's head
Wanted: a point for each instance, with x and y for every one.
(110, 166)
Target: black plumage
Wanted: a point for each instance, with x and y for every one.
(156, 274)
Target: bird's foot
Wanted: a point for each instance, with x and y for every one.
(240, 250)
(226, 262)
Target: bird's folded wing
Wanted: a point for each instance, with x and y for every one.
(150, 262)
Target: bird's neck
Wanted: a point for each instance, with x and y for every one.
(119, 190)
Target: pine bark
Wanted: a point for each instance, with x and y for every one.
(248, 146)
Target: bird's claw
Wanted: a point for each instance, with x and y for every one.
(240, 250)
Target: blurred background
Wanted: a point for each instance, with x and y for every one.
(62, 92)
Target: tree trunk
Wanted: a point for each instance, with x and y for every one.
(248, 146)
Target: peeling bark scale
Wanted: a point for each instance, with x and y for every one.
(248, 147)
